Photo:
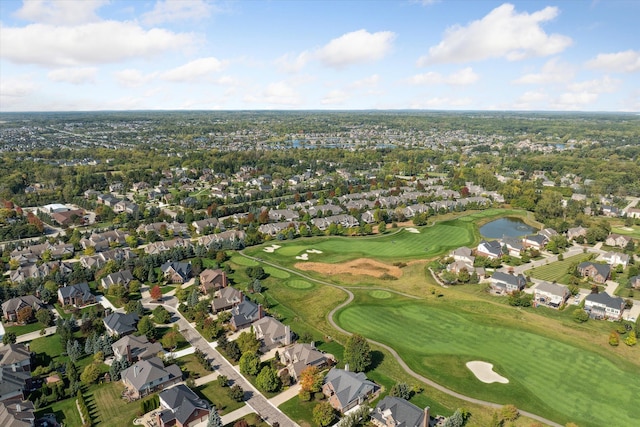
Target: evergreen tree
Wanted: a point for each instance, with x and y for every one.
(214, 418)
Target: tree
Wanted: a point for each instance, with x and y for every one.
(161, 315)
(24, 315)
(249, 363)
(310, 379)
(614, 339)
(580, 315)
(156, 293)
(236, 393)
(357, 353)
(268, 379)
(146, 327)
(509, 413)
(455, 420)
(401, 390)
(248, 343)
(631, 340)
(45, 317)
(170, 340)
(9, 338)
(214, 418)
(323, 414)
(90, 374)
(74, 351)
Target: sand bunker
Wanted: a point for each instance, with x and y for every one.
(361, 266)
(272, 248)
(484, 372)
(303, 257)
(412, 230)
(314, 251)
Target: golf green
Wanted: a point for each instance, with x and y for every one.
(276, 272)
(547, 377)
(379, 294)
(298, 284)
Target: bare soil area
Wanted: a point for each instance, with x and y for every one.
(362, 266)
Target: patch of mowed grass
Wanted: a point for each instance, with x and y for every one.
(219, 396)
(298, 284)
(276, 272)
(442, 339)
(243, 261)
(110, 408)
(558, 271)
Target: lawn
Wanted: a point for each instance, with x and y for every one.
(108, 408)
(550, 377)
(300, 412)
(24, 329)
(65, 412)
(633, 231)
(219, 397)
(558, 271)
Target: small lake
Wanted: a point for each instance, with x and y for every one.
(510, 227)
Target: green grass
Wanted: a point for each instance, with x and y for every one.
(633, 231)
(24, 329)
(65, 411)
(299, 411)
(299, 284)
(276, 272)
(245, 262)
(558, 271)
(252, 420)
(109, 407)
(219, 396)
(547, 376)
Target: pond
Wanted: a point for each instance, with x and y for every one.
(509, 227)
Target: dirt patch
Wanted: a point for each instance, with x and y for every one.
(362, 266)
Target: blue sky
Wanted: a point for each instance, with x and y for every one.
(72, 55)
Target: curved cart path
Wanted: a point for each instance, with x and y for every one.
(394, 353)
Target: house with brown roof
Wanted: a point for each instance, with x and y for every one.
(617, 240)
(147, 376)
(78, 295)
(599, 273)
(299, 356)
(11, 307)
(212, 280)
(227, 298)
(272, 332)
(17, 413)
(135, 348)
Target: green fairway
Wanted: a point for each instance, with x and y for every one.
(380, 294)
(245, 262)
(276, 272)
(546, 376)
(298, 284)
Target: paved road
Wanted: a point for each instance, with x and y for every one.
(395, 354)
(253, 397)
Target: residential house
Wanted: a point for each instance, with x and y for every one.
(99, 260)
(505, 283)
(334, 210)
(11, 307)
(610, 211)
(181, 407)
(134, 348)
(272, 333)
(368, 217)
(245, 313)
(615, 258)
(604, 306)
(396, 412)
(299, 356)
(574, 233)
(536, 241)
(550, 294)
(347, 221)
(212, 280)
(203, 225)
(548, 233)
(17, 413)
(35, 271)
(274, 228)
(617, 240)
(176, 272)
(283, 215)
(16, 357)
(230, 237)
(123, 278)
(121, 324)
(490, 249)
(104, 241)
(163, 246)
(227, 298)
(126, 206)
(599, 273)
(634, 282)
(146, 376)
(463, 254)
(633, 212)
(77, 295)
(514, 245)
(346, 390)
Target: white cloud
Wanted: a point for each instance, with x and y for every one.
(582, 94)
(177, 10)
(278, 93)
(17, 87)
(463, 77)
(619, 62)
(60, 12)
(76, 76)
(195, 70)
(553, 71)
(94, 43)
(501, 33)
(370, 81)
(335, 97)
(356, 47)
(289, 63)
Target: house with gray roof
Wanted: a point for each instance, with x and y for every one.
(634, 282)
(16, 357)
(272, 333)
(78, 295)
(505, 283)
(346, 390)
(227, 298)
(599, 273)
(11, 307)
(147, 376)
(176, 272)
(123, 278)
(536, 241)
(15, 371)
(134, 348)
(604, 306)
(396, 412)
(17, 413)
(550, 294)
(181, 407)
(299, 356)
(490, 249)
(245, 313)
(120, 323)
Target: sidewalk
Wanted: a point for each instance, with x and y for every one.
(237, 414)
(288, 394)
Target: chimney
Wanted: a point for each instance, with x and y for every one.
(427, 417)
(129, 358)
(287, 335)
(135, 370)
(260, 311)
(346, 367)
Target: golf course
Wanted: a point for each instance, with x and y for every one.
(555, 367)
